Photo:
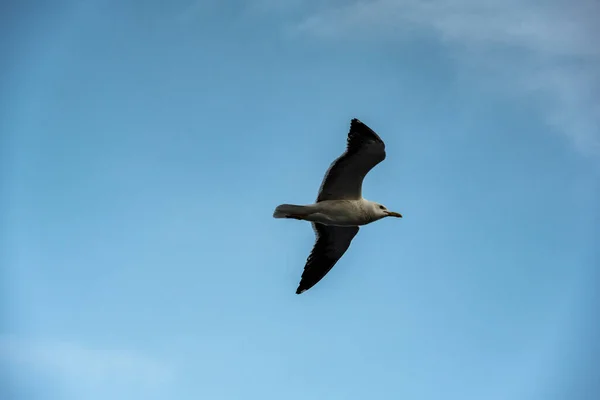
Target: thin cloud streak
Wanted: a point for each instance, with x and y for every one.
(554, 61)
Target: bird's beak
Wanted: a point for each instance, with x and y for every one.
(394, 214)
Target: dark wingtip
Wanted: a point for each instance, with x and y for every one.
(359, 127)
(355, 121)
(301, 289)
(356, 124)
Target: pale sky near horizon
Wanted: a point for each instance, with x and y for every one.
(144, 146)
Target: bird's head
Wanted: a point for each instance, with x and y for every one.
(381, 211)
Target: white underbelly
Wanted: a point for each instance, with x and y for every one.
(338, 221)
(339, 213)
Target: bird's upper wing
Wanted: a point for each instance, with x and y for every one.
(343, 180)
(331, 244)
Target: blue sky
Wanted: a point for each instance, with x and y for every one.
(144, 148)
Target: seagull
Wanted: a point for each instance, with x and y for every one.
(340, 208)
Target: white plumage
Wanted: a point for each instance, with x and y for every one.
(340, 208)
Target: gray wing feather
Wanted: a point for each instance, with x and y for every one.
(330, 245)
(343, 180)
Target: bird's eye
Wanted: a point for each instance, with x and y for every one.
(381, 207)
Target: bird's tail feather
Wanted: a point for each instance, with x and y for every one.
(289, 211)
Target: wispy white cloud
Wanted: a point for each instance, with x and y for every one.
(73, 364)
(541, 51)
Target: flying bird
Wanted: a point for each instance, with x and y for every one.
(340, 208)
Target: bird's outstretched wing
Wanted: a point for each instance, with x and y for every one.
(331, 244)
(343, 180)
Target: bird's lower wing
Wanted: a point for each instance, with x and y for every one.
(331, 244)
